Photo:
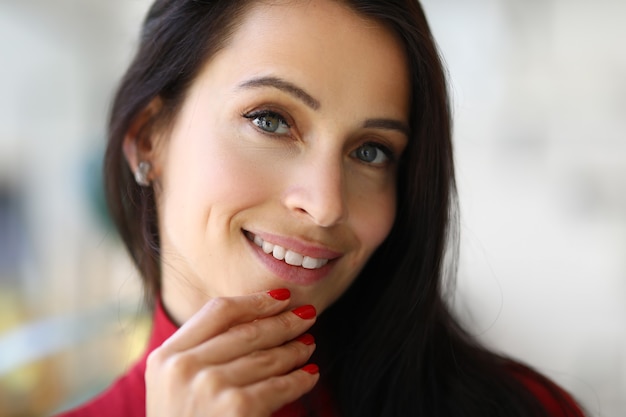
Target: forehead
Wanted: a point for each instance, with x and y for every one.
(306, 23)
(321, 45)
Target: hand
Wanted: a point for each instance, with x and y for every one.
(235, 357)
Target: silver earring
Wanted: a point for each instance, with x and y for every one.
(141, 175)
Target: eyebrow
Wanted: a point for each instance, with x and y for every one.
(285, 86)
(299, 93)
(387, 124)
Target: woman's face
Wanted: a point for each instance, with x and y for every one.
(286, 143)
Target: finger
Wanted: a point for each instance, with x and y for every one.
(259, 365)
(266, 397)
(258, 335)
(274, 393)
(221, 313)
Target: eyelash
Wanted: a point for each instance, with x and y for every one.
(388, 153)
(257, 114)
(265, 113)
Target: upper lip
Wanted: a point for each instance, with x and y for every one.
(300, 245)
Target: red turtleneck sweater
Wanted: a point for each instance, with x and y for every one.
(126, 397)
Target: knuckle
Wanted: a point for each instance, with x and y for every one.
(238, 401)
(220, 304)
(210, 380)
(160, 362)
(155, 360)
(283, 385)
(249, 332)
(260, 302)
(171, 370)
(287, 321)
(178, 366)
(263, 359)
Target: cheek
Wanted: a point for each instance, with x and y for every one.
(215, 169)
(207, 179)
(374, 219)
(239, 177)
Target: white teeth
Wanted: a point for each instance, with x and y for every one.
(279, 252)
(313, 263)
(289, 256)
(309, 263)
(267, 247)
(293, 258)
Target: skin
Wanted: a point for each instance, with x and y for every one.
(307, 161)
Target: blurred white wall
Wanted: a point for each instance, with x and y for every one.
(60, 61)
(539, 94)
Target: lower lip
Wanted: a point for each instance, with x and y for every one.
(289, 273)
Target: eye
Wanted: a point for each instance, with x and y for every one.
(372, 153)
(269, 121)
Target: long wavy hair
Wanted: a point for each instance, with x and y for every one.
(389, 346)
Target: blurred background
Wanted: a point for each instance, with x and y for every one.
(539, 96)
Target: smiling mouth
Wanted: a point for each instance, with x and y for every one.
(286, 255)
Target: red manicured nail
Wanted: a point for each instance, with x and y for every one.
(307, 339)
(311, 368)
(305, 312)
(280, 294)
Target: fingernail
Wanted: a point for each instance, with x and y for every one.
(305, 312)
(280, 294)
(307, 339)
(311, 368)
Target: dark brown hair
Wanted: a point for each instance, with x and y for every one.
(388, 346)
(178, 38)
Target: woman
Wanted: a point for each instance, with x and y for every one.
(281, 172)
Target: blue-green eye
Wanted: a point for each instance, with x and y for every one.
(269, 121)
(372, 153)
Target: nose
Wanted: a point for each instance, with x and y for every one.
(317, 192)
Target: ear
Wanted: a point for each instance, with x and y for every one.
(140, 141)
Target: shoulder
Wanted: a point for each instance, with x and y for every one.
(556, 401)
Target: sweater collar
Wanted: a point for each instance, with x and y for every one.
(162, 326)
